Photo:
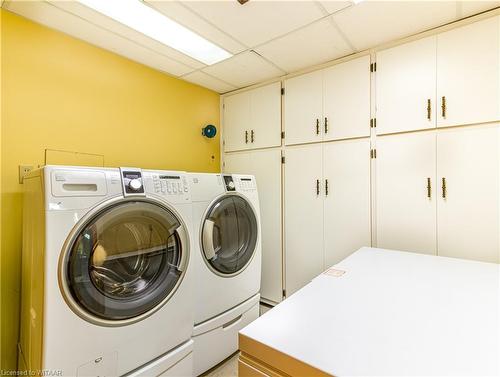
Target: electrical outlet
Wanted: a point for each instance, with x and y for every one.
(23, 170)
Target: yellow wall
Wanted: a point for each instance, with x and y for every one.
(64, 94)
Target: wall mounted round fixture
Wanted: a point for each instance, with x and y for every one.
(209, 131)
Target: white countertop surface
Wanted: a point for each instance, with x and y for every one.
(392, 313)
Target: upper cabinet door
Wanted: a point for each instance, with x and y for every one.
(468, 204)
(468, 74)
(303, 108)
(346, 100)
(265, 110)
(346, 189)
(406, 192)
(303, 215)
(237, 122)
(406, 87)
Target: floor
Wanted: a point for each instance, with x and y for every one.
(229, 367)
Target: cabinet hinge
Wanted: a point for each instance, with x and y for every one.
(223, 105)
(282, 159)
(223, 142)
(373, 123)
(373, 153)
(282, 134)
(282, 91)
(284, 293)
(373, 67)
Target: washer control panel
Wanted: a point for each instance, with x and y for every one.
(170, 184)
(132, 182)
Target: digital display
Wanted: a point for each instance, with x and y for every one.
(170, 177)
(246, 179)
(131, 174)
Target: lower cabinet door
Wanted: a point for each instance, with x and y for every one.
(266, 166)
(406, 191)
(303, 218)
(468, 196)
(346, 191)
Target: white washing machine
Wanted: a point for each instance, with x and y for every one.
(227, 261)
(107, 285)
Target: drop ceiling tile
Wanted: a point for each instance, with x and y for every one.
(369, 24)
(56, 18)
(207, 81)
(314, 44)
(332, 6)
(244, 69)
(256, 22)
(469, 8)
(187, 17)
(107, 23)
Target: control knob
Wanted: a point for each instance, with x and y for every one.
(135, 184)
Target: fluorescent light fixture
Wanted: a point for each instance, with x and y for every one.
(144, 19)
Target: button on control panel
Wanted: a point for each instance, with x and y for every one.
(170, 184)
(246, 183)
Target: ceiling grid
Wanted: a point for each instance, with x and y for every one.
(267, 39)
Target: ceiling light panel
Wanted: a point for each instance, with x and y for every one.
(140, 17)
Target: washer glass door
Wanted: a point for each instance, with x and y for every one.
(229, 234)
(125, 261)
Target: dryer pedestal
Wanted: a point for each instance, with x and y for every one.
(217, 338)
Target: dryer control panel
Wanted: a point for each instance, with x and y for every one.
(237, 182)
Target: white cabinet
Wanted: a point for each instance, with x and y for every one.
(329, 104)
(445, 80)
(346, 100)
(327, 206)
(303, 215)
(406, 87)
(468, 206)
(236, 121)
(346, 189)
(303, 108)
(468, 80)
(265, 115)
(406, 192)
(252, 119)
(439, 192)
(266, 166)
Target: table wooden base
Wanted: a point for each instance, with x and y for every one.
(259, 360)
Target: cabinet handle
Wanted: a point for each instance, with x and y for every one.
(443, 107)
(317, 126)
(429, 188)
(246, 137)
(326, 125)
(326, 187)
(443, 187)
(252, 138)
(428, 109)
(317, 186)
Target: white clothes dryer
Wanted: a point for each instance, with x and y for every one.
(227, 261)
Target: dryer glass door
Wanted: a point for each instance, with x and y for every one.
(229, 235)
(126, 260)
